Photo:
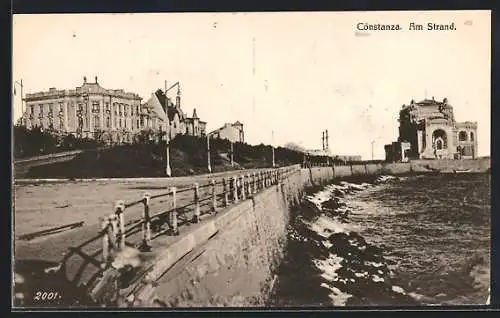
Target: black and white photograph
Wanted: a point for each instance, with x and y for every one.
(247, 160)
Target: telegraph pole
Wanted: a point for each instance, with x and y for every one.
(373, 142)
(232, 150)
(208, 154)
(274, 164)
(326, 139)
(323, 139)
(20, 83)
(167, 169)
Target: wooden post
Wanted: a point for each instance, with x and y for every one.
(146, 225)
(262, 181)
(225, 189)
(105, 242)
(119, 209)
(214, 196)
(242, 187)
(196, 216)
(173, 213)
(254, 182)
(249, 184)
(235, 189)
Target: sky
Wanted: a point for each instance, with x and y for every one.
(294, 74)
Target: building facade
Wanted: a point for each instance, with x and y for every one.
(167, 116)
(87, 111)
(232, 132)
(430, 129)
(111, 115)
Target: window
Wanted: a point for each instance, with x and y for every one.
(108, 122)
(137, 123)
(471, 136)
(107, 107)
(114, 110)
(137, 110)
(97, 122)
(32, 109)
(95, 107)
(462, 136)
(120, 123)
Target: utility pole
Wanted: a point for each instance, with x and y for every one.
(373, 142)
(326, 139)
(323, 139)
(208, 154)
(232, 151)
(274, 164)
(20, 83)
(168, 171)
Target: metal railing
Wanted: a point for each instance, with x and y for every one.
(198, 200)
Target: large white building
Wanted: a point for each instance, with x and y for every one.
(112, 115)
(232, 132)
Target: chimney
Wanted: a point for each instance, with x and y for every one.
(96, 79)
(85, 80)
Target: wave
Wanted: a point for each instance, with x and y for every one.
(351, 271)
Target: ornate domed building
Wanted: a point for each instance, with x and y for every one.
(428, 130)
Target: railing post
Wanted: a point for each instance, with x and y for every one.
(262, 183)
(173, 213)
(146, 225)
(119, 209)
(235, 189)
(242, 187)
(249, 184)
(105, 242)
(225, 191)
(254, 187)
(196, 216)
(214, 197)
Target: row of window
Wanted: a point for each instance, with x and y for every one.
(120, 109)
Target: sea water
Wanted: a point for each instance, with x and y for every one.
(414, 240)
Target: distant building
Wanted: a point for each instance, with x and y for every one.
(232, 132)
(168, 116)
(432, 133)
(318, 152)
(397, 151)
(87, 111)
(348, 158)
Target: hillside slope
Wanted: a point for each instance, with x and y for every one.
(188, 155)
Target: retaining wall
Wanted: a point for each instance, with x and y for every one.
(230, 260)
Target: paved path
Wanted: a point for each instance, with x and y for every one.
(43, 206)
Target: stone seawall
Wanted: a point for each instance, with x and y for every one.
(321, 175)
(230, 260)
(234, 263)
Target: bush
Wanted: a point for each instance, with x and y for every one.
(36, 142)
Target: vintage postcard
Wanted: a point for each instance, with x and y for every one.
(279, 159)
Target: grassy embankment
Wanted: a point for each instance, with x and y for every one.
(188, 156)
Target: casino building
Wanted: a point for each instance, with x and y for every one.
(428, 130)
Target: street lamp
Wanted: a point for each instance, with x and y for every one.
(208, 154)
(373, 142)
(168, 171)
(272, 146)
(232, 151)
(20, 83)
